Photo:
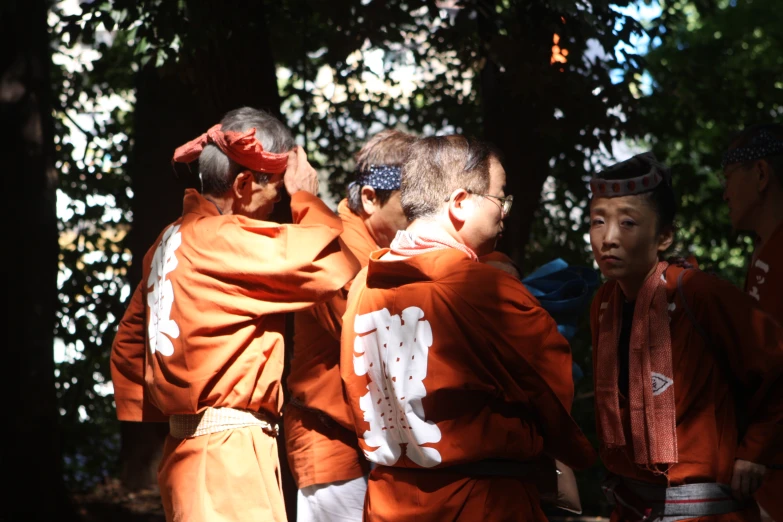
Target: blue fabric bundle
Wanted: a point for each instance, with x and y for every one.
(565, 292)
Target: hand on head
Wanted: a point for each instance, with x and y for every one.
(300, 175)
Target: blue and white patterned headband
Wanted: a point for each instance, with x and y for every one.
(760, 146)
(380, 177)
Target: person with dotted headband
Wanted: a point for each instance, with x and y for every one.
(753, 191)
(324, 456)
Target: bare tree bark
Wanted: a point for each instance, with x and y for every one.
(33, 455)
(512, 114)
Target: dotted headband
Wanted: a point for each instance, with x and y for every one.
(760, 146)
(380, 177)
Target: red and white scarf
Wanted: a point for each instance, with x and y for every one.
(650, 387)
(407, 244)
(242, 147)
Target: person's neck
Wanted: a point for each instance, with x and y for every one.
(223, 205)
(631, 287)
(432, 226)
(382, 236)
(770, 217)
(419, 227)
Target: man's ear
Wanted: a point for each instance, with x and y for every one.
(460, 206)
(243, 184)
(763, 171)
(370, 203)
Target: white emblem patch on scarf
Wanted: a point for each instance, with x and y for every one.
(660, 383)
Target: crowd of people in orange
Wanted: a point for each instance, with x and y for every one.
(425, 381)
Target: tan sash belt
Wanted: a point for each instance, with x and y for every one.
(214, 420)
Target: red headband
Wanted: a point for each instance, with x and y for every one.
(242, 147)
(612, 188)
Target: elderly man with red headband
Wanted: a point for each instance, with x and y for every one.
(201, 343)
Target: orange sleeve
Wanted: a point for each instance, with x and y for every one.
(284, 268)
(332, 265)
(752, 342)
(547, 351)
(329, 313)
(503, 262)
(538, 358)
(127, 366)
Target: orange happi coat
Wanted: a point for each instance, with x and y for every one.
(320, 442)
(204, 328)
(745, 342)
(764, 283)
(448, 361)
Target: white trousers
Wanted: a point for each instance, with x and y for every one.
(334, 502)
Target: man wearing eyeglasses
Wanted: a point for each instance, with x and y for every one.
(458, 381)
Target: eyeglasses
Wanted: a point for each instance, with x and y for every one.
(505, 202)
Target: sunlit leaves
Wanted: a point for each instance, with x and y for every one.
(92, 87)
(715, 71)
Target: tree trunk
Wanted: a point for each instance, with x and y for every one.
(174, 104)
(33, 453)
(526, 164)
(514, 113)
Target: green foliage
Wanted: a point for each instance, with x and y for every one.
(94, 199)
(567, 105)
(716, 70)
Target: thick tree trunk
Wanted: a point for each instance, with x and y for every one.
(525, 162)
(514, 114)
(32, 455)
(175, 104)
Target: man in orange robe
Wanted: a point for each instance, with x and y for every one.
(753, 172)
(323, 454)
(457, 379)
(201, 343)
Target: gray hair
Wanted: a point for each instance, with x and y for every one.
(439, 165)
(217, 171)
